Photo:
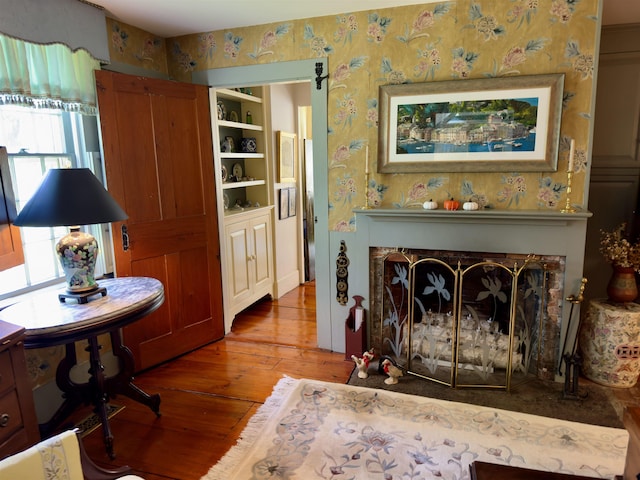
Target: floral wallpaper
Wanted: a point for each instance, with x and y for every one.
(433, 42)
(133, 46)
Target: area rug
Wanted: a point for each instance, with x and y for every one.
(594, 404)
(316, 430)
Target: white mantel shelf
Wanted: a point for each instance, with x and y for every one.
(471, 216)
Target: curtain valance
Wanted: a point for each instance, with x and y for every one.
(46, 76)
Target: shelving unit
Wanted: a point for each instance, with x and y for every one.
(245, 196)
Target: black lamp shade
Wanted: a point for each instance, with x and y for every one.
(67, 197)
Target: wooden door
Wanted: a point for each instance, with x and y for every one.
(157, 145)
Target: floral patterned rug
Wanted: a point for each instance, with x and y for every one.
(309, 429)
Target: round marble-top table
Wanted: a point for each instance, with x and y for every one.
(49, 321)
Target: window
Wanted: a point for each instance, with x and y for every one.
(38, 140)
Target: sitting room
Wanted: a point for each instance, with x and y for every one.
(311, 215)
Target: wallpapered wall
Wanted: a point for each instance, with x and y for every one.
(425, 43)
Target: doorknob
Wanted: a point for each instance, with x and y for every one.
(125, 238)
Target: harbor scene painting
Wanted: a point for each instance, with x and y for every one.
(468, 126)
(439, 126)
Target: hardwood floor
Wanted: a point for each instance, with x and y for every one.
(209, 395)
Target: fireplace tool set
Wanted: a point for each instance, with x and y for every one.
(571, 358)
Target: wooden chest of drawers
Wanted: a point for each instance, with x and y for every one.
(18, 422)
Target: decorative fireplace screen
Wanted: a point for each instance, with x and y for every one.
(463, 320)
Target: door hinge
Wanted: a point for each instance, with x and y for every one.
(319, 77)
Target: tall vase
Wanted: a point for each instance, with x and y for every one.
(622, 286)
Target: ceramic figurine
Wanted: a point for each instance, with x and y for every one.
(391, 370)
(363, 363)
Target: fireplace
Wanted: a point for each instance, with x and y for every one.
(551, 243)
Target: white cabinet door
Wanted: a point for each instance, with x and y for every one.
(249, 260)
(261, 233)
(237, 251)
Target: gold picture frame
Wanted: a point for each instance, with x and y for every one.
(286, 144)
(478, 125)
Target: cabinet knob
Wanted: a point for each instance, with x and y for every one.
(4, 420)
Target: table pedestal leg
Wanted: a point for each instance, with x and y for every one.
(99, 389)
(97, 382)
(123, 382)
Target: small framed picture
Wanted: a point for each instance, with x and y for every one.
(286, 146)
(284, 203)
(292, 202)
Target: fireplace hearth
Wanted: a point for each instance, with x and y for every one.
(550, 243)
(466, 318)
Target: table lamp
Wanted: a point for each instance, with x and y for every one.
(72, 197)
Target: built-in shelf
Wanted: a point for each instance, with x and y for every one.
(238, 212)
(240, 125)
(246, 237)
(234, 95)
(241, 155)
(248, 183)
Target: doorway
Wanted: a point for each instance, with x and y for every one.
(291, 72)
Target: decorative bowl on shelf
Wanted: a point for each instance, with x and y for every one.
(248, 145)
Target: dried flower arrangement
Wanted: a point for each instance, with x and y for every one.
(618, 250)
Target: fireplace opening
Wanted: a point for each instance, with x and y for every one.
(467, 319)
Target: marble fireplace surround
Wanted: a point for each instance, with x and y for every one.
(517, 232)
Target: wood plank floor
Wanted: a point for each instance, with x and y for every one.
(209, 395)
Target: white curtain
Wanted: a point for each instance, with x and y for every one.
(47, 76)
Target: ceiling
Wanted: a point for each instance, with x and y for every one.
(168, 18)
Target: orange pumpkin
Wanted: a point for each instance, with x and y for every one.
(451, 204)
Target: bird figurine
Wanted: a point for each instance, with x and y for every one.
(392, 370)
(363, 363)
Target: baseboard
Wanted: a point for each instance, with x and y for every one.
(287, 283)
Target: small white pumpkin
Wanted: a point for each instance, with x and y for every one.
(430, 205)
(470, 205)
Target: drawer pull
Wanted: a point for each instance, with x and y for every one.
(4, 420)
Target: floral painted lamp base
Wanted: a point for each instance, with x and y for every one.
(610, 343)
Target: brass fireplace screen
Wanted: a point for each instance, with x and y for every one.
(464, 321)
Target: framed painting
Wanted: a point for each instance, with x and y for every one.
(286, 143)
(284, 203)
(481, 125)
(292, 202)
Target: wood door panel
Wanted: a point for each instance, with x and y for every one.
(194, 306)
(136, 150)
(159, 164)
(155, 238)
(11, 254)
(158, 323)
